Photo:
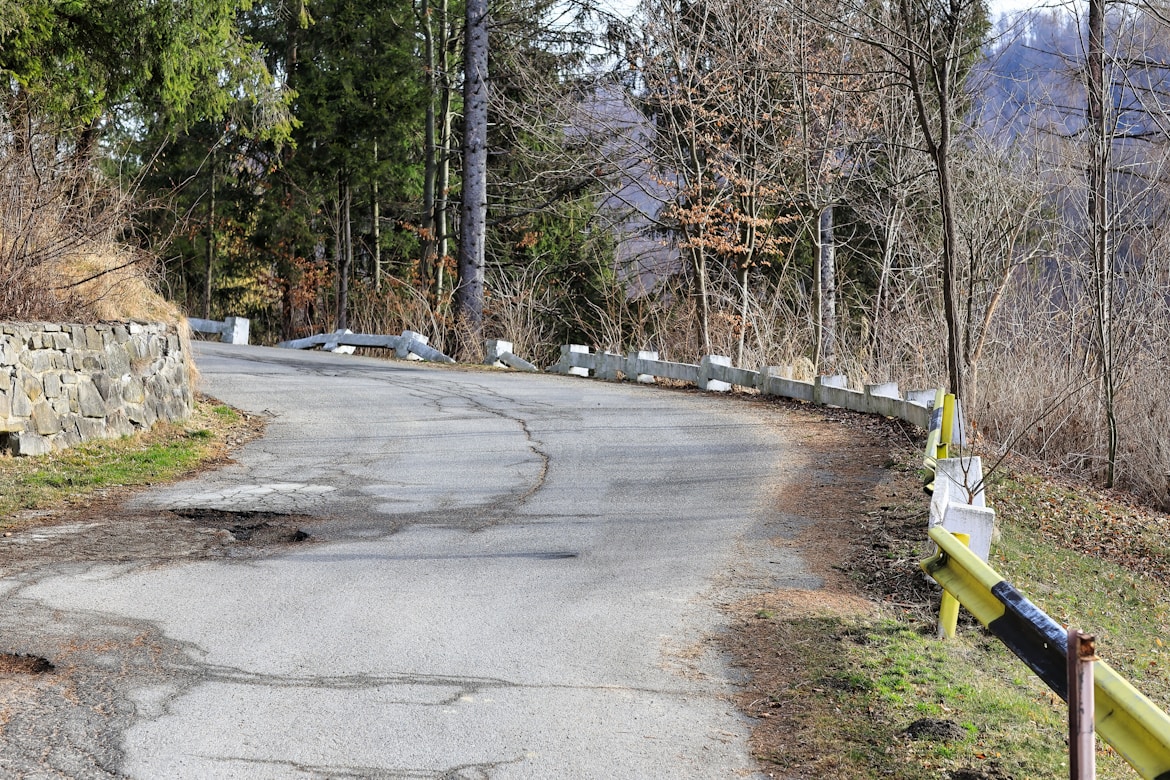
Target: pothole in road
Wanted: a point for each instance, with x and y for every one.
(250, 526)
(20, 663)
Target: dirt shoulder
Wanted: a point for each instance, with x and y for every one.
(857, 498)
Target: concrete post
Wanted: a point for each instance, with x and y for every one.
(403, 352)
(921, 397)
(883, 399)
(493, 350)
(953, 506)
(707, 370)
(580, 349)
(333, 343)
(235, 330)
(837, 380)
(632, 366)
(884, 390)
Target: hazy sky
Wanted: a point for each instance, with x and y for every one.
(1008, 6)
(997, 6)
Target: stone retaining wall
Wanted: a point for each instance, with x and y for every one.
(64, 384)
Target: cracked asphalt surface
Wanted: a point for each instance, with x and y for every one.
(506, 576)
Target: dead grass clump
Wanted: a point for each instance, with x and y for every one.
(63, 255)
(112, 284)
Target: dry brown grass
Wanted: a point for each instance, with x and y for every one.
(64, 254)
(112, 283)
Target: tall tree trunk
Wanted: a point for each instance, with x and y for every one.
(294, 25)
(427, 261)
(472, 225)
(955, 366)
(818, 306)
(341, 251)
(286, 269)
(699, 259)
(20, 116)
(210, 241)
(84, 152)
(338, 254)
(828, 292)
(1099, 218)
(443, 175)
(377, 226)
(347, 221)
(699, 264)
(742, 278)
(879, 299)
(932, 78)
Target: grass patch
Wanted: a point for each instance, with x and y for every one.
(883, 698)
(1090, 561)
(225, 412)
(166, 452)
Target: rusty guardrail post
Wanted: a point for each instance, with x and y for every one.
(1082, 757)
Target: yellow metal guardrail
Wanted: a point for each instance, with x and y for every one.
(1125, 719)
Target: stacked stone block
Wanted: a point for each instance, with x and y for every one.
(61, 385)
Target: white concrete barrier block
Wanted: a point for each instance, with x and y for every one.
(884, 399)
(403, 350)
(912, 413)
(922, 397)
(969, 473)
(884, 390)
(632, 366)
(235, 330)
(975, 521)
(494, 349)
(956, 481)
(709, 367)
(959, 426)
(579, 349)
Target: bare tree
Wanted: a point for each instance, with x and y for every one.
(835, 97)
(930, 47)
(719, 94)
(438, 45)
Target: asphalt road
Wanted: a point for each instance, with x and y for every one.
(508, 576)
